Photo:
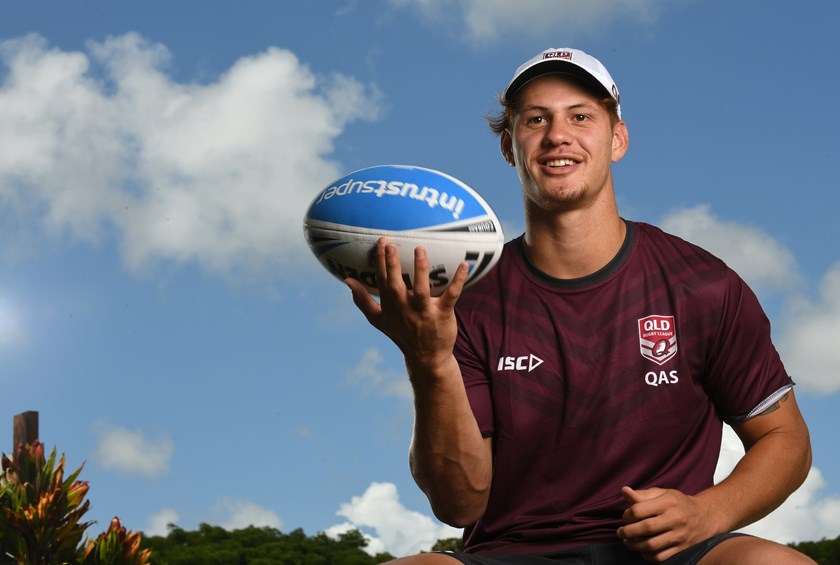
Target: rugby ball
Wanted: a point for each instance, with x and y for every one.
(412, 206)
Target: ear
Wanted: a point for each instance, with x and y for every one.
(506, 147)
(620, 141)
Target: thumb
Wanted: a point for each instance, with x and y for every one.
(364, 301)
(634, 496)
(630, 495)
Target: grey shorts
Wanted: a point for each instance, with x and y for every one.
(598, 554)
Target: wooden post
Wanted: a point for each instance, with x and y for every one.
(26, 429)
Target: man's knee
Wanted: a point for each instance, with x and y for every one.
(425, 559)
(749, 550)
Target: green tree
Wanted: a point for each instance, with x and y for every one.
(259, 546)
(449, 544)
(824, 552)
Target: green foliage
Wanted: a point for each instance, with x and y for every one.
(41, 512)
(212, 545)
(116, 546)
(824, 552)
(449, 544)
(41, 516)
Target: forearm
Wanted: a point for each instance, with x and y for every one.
(450, 460)
(772, 468)
(661, 522)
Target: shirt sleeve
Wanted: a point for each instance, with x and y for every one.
(746, 374)
(476, 381)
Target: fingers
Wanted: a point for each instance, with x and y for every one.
(453, 291)
(643, 504)
(390, 278)
(388, 269)
(640, 517)
(658, 522)
(421, 274)
(651, 537)
(394, 286)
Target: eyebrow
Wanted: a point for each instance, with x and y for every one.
(575, 106)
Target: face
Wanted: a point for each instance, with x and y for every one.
(562, 142)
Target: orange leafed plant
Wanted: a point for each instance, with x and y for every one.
(41, 516)
(116, 546)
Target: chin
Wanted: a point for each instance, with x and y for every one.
(561, 200)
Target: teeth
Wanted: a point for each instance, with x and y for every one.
(561, 163)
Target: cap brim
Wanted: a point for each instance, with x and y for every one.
(553, 67)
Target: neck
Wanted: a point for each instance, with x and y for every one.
(573, 244)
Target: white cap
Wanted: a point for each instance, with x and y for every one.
(564, 60)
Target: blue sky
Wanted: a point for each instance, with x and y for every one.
(158, 304)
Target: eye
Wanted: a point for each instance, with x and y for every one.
(536, 120)
(580, 117)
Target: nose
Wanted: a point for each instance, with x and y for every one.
(556, 133)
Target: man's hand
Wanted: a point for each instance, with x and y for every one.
(662, 522)
(423, 327)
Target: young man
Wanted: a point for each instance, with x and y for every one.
(569, 408)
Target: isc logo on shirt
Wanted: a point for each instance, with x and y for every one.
(658, 338)
(522, 363)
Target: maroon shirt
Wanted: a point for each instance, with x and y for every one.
(618, 378)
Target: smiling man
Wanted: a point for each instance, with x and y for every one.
(603, 451)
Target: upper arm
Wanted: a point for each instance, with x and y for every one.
(782, 421)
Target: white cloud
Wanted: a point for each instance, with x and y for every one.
(158, 523)
(397, 530)
(488, 21)
(374, 545)
(131, 453)
(808, 343)
(107, 143)
(243, 513)
(804, 516)
(10, 328)
(369, 375)
(760, 260)
(731, 451)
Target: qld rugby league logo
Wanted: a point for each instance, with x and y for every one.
(658, 338)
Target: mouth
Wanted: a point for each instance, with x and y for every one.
(560, 163)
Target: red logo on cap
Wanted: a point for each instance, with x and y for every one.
(558, 55)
